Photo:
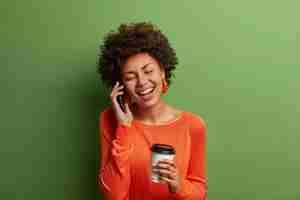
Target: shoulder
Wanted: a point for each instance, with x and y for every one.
(196, 121)
(107, 119)
(107, 112)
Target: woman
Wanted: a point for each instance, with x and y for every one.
(137, 61)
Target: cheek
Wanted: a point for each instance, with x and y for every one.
(129, 88)
(157, 78)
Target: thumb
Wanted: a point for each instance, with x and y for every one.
(127, 109)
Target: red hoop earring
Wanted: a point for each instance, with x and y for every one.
(165, 86)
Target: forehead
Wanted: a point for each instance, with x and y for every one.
(138, 61)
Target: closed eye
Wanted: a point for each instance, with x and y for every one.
(148, 71)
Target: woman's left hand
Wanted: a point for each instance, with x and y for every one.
(168, 173)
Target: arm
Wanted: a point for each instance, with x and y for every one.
(193, 187)
(114, 174)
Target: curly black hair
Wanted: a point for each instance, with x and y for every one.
(131, 39)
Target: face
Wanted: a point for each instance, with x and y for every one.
(142, 77)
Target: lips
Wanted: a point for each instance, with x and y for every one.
(146, 95)
(145, 91)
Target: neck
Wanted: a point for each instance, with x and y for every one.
(151, 114)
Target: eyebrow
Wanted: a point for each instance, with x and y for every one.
(130, 72)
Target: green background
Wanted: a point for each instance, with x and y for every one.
(238, 68)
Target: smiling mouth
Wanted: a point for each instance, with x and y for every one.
(146, 92)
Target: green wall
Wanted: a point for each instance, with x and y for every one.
(239, 68)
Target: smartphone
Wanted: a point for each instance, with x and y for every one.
(120, 99)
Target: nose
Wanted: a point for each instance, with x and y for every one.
(141, 80)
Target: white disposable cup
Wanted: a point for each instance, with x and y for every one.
(160, 152)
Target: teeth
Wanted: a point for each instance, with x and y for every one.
(146, 91)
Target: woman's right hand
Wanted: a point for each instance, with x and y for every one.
(122, 117)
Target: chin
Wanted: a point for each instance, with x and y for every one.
(149, 104)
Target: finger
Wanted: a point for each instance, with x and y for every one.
(115, 94)
(127, 109)
(171, 173)
(116, 85)
(163, 168)
(164, 165)
(120, 87)
(166, 161)
(117, 89)
(167, 180)
(167, 173)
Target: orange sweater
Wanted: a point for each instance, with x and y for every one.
(126, 158)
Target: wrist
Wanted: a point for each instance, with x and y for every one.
(126, 124)
(173, 189)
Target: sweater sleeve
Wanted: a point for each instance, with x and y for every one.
(116, 148)
(193, 186)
